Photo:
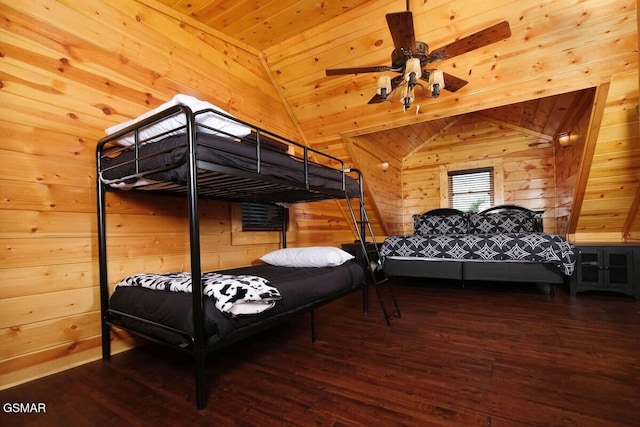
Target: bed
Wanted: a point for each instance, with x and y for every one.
(165, 315)
(193, 149)
(230, 157)
(503, 243)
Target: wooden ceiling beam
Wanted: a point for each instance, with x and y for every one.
(524, 130)
(349, 143)
(597, 112)
(433, 137)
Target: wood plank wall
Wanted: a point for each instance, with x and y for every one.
(68, 70)
(528, 167)
(568, 159)
(613, 186)
(383, 185)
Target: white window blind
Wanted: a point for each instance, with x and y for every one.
(471, 190)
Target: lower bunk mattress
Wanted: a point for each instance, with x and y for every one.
(168, 315)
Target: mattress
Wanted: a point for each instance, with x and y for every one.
(165, 161)
(506, 247)
(300, 289)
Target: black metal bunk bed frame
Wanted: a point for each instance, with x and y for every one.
(222, 183)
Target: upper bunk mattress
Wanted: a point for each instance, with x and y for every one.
(166, 161)
(300, 288)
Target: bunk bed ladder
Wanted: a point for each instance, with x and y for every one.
(371, 262)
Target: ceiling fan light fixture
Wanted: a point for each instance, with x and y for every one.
(436, 82)
(384, 86)
(406, 97)
(413, 70)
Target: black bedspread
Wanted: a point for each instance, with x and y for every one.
(300, 288)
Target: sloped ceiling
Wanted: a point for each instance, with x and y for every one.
(301, 39)
(528, 81)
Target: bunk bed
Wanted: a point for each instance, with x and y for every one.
(196, 150)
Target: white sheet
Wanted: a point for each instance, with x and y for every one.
(209, 119)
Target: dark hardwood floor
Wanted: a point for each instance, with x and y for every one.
(485, 355)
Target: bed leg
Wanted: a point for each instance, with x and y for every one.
(106, 340)
(313, 325)
(201, 396)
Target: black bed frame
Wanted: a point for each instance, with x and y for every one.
(237, 186)
(513, 271)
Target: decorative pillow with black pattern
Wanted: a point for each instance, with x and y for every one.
(428, 225)
(501, 222)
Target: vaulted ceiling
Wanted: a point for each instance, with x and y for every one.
(300, 39)
(557, 52)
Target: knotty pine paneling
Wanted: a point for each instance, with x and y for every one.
(36, 335)
(324, 223)
(367, 163)
(613, 187)
(550, 53)
(383, 185)
(528, 167)
(41, 279)
(69, 70)
(62, 356)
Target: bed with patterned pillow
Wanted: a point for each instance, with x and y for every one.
(503, 243)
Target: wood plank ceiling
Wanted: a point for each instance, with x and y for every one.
(264, 25)
(529, 81)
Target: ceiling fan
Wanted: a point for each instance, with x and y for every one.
(409, 56)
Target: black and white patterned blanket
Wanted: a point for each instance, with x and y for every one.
(536, 247)
(234, 295)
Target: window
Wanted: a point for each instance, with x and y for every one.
(471, 190)
(261, 217)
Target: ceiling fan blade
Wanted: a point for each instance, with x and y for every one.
(401, 29)
(493, 34)
(377, 99)
(395, 82)
(356, 70)
(453, 83)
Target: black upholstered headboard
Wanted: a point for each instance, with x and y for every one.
(443, 212)
(535, 215)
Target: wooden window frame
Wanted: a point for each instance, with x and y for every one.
(498, 178)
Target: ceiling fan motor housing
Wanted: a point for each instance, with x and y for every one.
(399, 56)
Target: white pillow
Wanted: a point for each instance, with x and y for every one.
(210, 119)
(314, 256)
